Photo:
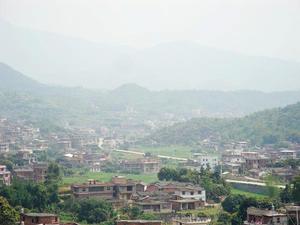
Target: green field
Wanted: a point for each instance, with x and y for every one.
(248, 194)
(104, 177)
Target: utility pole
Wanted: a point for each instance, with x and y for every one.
(297, 215)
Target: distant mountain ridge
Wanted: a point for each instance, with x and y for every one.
(11, 79)
(57, 59)
(23, 97)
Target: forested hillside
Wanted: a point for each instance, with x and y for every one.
(22, 97)
(266, 127)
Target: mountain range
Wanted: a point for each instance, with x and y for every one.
(65, 61)
(23, 97)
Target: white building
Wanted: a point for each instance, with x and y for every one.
(206, 160)
(288, 154)
(191, 193)
(5, 176)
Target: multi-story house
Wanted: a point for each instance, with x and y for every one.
(5, 176)
(4, 147)
(232, 156)
(293, 212)
(38, 218)
(254, 160)
(41, 219)
(144, 165)
(153, 202)
(265, 217)
(288, 154)
(118, 189)
(190, 220)
(36, 172)
(204, 160)
(182, 190)
(139, 222)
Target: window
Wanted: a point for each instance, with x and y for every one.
(108, 188)
(129, 188)
(192, 193)
(183, 192)
(199, 192)
(95, 189)
(278, 220)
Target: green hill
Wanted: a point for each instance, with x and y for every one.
(24, 98)
(266, 127)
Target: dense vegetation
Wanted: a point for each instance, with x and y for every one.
(34, 196)
(235, 206)
(8, 215)
(267, 127)
(44, 197)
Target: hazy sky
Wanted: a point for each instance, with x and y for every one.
(258, 27)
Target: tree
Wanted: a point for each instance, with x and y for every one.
(273, 191)
(53, 173)
(237, 205)
(286, 196)
(224, 219)
(232, 202)
(51, 182)
(296, 189)
(26, 194)
(93, 211)
(168, 174)
(8, 215)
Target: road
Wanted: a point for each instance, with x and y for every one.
(159, 156)
(251, 183)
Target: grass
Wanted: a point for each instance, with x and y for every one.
(248, 194)
(212, 212)
(104, 177)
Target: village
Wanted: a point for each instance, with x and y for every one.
(25, 157)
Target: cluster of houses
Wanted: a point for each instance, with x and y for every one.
(52, 219)
(34, 172)
(160, 197)
(18, 135)
(257, 164)
(285, 216)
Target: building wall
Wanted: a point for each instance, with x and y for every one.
(28, 220)
(137, 222)
(192, 194)
(5, 175)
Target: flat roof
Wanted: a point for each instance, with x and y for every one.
(39, 214)
(140, 221)
(263, 212)
(185, 200)
(288, 151)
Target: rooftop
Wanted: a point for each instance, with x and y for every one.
(177, 185)
(263, 212)
(140, 221)
(39, 215)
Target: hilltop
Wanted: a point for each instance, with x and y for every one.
(266, 127)
(23, 97)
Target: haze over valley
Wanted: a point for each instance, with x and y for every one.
(149, 112)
